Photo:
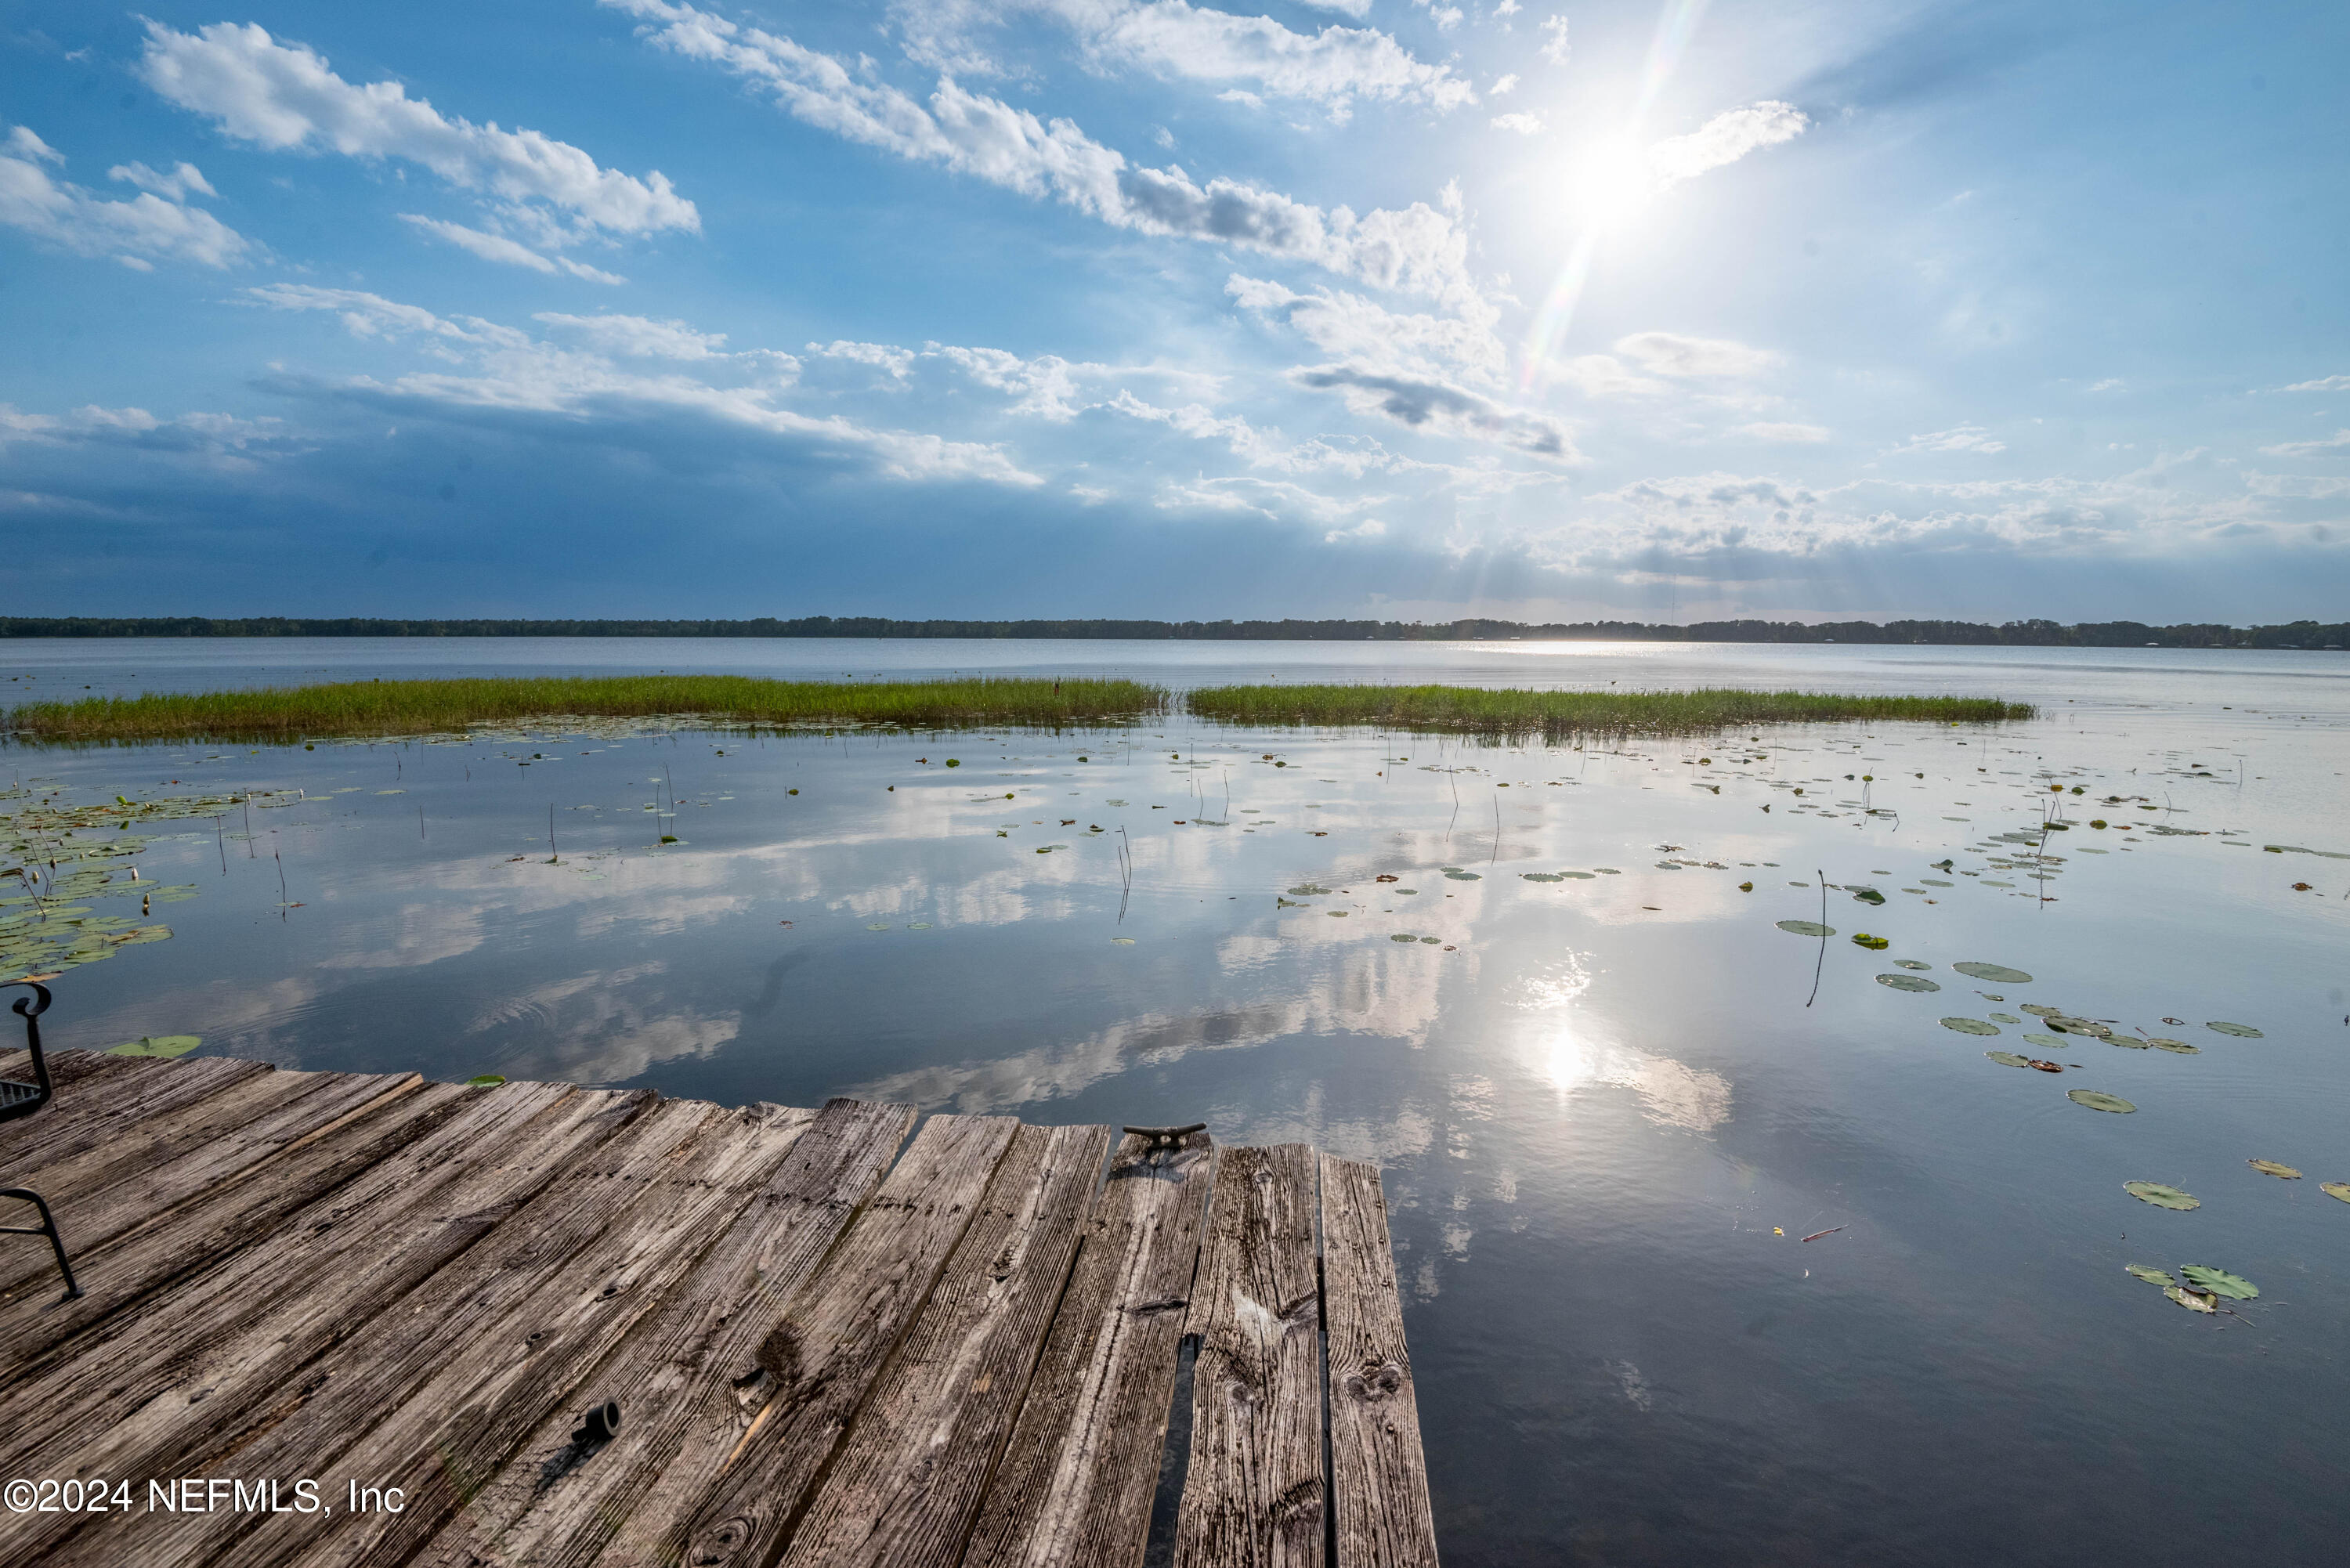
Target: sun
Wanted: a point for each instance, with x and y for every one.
(1611, 185)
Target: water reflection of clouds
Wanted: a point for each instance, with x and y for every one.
(605, 1026)
(1572, 1056)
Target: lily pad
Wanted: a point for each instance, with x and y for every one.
(1309, 891)
(2097, 1100)
(2271, 1167)
(1875, 944)
(2221, 1282)
(2193, 1301)
(1998, 974)
(1969, 1026)
(485, 1080)
(2151, 1276)
(2176, 1047)
(2009, 1059)
(1806, 927)
(1454, 874)
(1907, 983)
(1542, 875)
(2336, 1190)
(1431, 942)
(1867, 894)
(2088, 1026)
(2005, 1018)
(2040, 1009)
(1403, 937)
(2161, 1197)
(2241, 1031)
(2048, 1041)
(1911, 963)
(157, 1045)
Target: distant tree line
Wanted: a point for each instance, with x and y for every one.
(2009, 634)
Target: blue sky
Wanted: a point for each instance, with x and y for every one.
(1064, 307)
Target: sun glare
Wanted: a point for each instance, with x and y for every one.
(1610, 185)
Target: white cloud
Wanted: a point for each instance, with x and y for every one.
(499, 370)
(217, 436)
(2323, 384)
(1368, 528)
(1446, 18)
(1603, 376)
(1418, 249)
(1366, 333)
(151, 225)
(1556, 49)
(1772, 432)
(1960, 438)
(1503, 84)
(285, 98)
(1725, 138)
(1670, 354)
(1508, 8)
(177, 186)
(2325, 447)
(498, 248)
(893, 361)
(2110, 384)
(1173, 39)
(1523, 124)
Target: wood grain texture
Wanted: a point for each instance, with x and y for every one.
(1253, 1496)
(237, 1333)
(503, 1337)
(1075, 1485)
(907, 1481)
(685, 1374)
(93, 1111)
(1379, 1474)
(145, 1173)
(837, 1333)
(118, 1275)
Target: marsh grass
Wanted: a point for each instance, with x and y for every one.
(1514, 710)
(415, 707)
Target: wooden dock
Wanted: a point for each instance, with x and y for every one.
(360, 1319)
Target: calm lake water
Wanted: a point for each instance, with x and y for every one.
(1608, 1104)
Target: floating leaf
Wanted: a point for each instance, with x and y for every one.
(2241, 1031)
(1807, 928)
(2005, 1018)
(1123, 941)
(157, 1045)
(2161, 1197)
(2097, 1100)
(1969, 1026)
(2040, 1009)
(2151, 1276)
(1911, 963)
(2088, 1026)
(485, 1080)
(2009, 1059)
(1403, 937)
(2336, 1190)
(878, 926)
(1875, 944)
(1454, 874)
(2221, 1282)
(1431, 942)
(2271, 1167)
(1998, 974)
(2048, 1041)
(1907, 983)
(2176, 1047)
(2193, 1301)
(1542, 875)
(1867, 894)
(1308, 890)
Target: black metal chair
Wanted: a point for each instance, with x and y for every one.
(18, 1098)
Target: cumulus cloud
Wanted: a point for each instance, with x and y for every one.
(1366, 333)
(2323, 384)
(1503, 84)
(1418, 249)
(1443, 409)
(1775, 431)
(285, 98)
(501, 370)
(1960, 438)
(1671, 354)
(1523, 124)
(1556, 49)
(2325, 446)
(157, 224)
(1725, 138)
(893, 361)
(1172, 39)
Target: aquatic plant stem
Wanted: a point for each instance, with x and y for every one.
(1821, 965)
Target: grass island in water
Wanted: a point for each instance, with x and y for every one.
(415, 707)
(1515, 710)
(361, 708)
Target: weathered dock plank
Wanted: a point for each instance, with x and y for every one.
(1075, 1485)
(686, 1372)
(837, 1332)
(907, 1481)
(829, 1355)
(1253, 1494)
(1378, 1476)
